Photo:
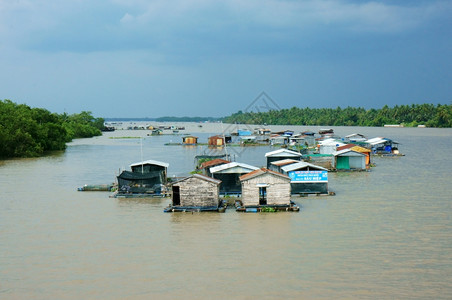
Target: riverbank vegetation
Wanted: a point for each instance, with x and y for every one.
(30, 132)
(408, 115)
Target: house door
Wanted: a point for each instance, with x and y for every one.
(343, 163)
(262, 195)
(176, 195)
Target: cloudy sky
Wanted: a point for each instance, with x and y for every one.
(143, 58)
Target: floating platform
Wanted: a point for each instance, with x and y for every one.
(96, 188)
(220, 209)
(266, 208)
(137, 195)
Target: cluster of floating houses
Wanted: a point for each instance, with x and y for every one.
(288, 172)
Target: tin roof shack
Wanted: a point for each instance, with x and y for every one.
(328, 146)
(277, 165)
(357, 149)
(189, 140)
(229, 175)
(355, 138)
(205, 166)
(216, 141)
(195, 193)
(349, 160)
(281, 154)
(306, 178)
(263, 190)
(383, 146)
(146, 177)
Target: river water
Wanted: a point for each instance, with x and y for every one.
(387, 234)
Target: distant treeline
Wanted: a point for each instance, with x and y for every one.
(408, 115)
(166, 119)
(29, 132)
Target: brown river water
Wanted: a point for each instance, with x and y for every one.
(387, 234)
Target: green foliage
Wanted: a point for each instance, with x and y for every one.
(409, 115)
(29, 132)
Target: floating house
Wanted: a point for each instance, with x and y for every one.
(306, 178)
(357, 149)
(195, 193)
(263, 188)
(349, 160)
(278, 139)
(328, 146)
(229, 175)
(277, 165)
(205, 166)
(281, 154)
(355, 138)
(243, 132)
(216, 140)
(189, 140)
(262, 131)
(382, 145)
(146, 177)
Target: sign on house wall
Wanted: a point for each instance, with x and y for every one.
(309, 176)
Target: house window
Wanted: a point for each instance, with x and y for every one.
(262, 195)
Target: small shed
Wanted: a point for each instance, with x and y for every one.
(146, 177)
(229, 175)
(190, 140)
(348, 159)
(195, 192)
(357, 149)
(264, 187)
(216, 140)
(281, 154)
(306, 178)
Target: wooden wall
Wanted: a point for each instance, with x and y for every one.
(198, 192)
(278, 190)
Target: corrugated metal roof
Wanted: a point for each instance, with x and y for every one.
(301, 165)
(232, 165)
(284, 162)
(151, 162)
(350, 151)
(214, 162)
(283, 152)
(260, 172)
(200, 176)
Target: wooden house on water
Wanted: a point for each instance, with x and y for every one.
(306, 178)
(196, 193)
(146, 178)
(189, 140)
(264, 189)
(349, 160)
(216, 141)
(229, 175)
(281, 154)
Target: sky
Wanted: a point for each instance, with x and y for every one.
(143, 58)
